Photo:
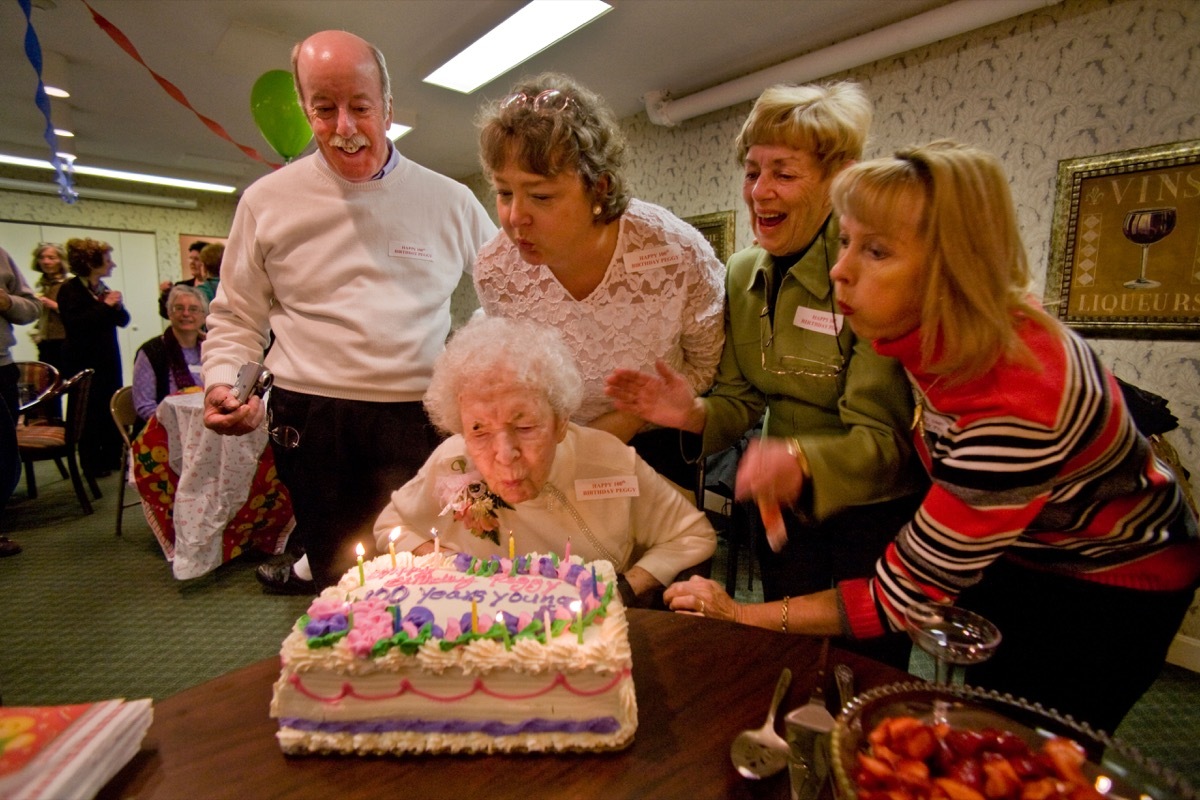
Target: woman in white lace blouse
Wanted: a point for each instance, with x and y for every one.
(625, 282)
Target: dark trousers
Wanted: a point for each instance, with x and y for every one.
(1082, 648)
(10, 458)
(351, 456)
(819, 555)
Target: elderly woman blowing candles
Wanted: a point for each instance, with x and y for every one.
(519, 467)
(1049, 513)
(624, 281)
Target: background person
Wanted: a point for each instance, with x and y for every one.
(49, 334)
(835, 409)
(1049, 513)
(515, 440)
(625, 282)
(91, 313)
(349, 256)
(210, 258)
(18, 306)
(170, 362)
(197, 277)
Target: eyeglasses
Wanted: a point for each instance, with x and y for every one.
(187, 309)
(285, 436)
(550, 101)
(796, 365)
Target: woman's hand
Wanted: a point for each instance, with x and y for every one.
(771, 474)
(48, 303)
(112, 298)
(702, 597)
(665, 399)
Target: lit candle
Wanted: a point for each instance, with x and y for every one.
(504, 624)
(362, 577)
(512, 547)
(395, 534)
(437, 543)
(567, 551)
(577, 607)
(474, 618)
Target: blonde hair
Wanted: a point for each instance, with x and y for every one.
(495, 349)
(977, 278)
(830, 121)
(583, 137)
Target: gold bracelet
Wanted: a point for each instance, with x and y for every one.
(783, 622)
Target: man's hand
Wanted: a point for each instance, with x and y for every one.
(225, 415)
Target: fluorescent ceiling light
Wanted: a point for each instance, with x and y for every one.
(54, 91)
(397, 130)
(63, 132)
(99, 194)
(121, 175)
(526, 33)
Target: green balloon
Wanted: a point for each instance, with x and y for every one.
(278, 114)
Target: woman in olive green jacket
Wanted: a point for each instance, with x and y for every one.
(838, 414)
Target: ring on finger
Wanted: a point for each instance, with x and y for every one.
(702, 609)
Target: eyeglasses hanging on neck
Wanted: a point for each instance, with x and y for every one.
(788, 364)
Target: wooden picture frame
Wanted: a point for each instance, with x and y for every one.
(1125, 243)
(717, 228)
(185, 241)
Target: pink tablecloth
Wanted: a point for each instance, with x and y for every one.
(207, 497)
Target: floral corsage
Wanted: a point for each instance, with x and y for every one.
(468, 497)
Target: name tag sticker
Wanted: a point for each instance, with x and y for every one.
(812, 319)
(409, 250)
(600, 488)
(653, 258)
(936, 423)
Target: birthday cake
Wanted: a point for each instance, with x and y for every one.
(447, 653)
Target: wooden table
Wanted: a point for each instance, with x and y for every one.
(698, 683)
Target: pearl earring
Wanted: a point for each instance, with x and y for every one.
(596, 210)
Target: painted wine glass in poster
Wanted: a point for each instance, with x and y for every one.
(1125, 247)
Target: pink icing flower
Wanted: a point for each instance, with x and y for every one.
(372, 622)
(325, 607)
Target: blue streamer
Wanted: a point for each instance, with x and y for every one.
(62, 167)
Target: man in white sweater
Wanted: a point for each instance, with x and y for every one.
(349, 257)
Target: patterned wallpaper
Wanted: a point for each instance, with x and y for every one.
(212, 216)
(1081, 78)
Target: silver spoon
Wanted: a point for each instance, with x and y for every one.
(761, 753)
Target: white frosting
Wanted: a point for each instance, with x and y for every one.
(484, 680)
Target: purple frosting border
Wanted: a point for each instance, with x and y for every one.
(605, 725)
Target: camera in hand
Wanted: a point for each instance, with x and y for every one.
(253, 379)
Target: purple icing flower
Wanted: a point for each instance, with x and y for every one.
(546, 567)
(462, 561)
(418, 616)
(573, 572)
(321, 626)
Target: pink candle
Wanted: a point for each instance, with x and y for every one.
(567, 550)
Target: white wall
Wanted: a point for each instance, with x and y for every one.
(136, 277)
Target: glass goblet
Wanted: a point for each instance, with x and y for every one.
(955, 637)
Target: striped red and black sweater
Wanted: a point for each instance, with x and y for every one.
(1039, 463)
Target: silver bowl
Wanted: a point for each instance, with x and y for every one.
(1130, 775)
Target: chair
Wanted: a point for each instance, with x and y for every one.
(124, 415)
(35, 383)
(45, 442)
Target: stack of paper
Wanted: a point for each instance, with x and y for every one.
(68, 751)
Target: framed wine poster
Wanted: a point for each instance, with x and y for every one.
(1125, 243)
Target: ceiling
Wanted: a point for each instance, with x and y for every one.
(214, 50)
